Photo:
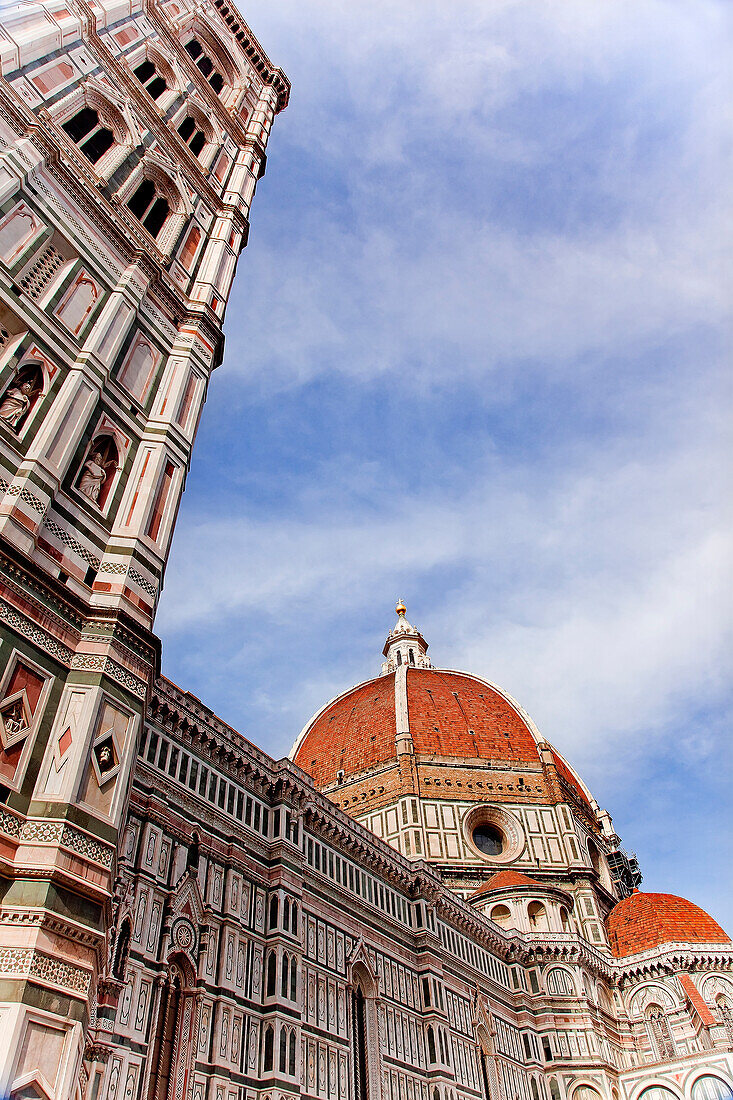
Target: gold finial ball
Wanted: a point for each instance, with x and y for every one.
(400, 608)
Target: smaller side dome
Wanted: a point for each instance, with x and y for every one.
(643, 921)
(506, 880)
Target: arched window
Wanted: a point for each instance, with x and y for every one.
(411, 655)
(604, 998)
(565, 919)
(294, 919)
(660, 1036)
(399, 657)
(537, 915)
(283, 1049)
(192, 856)
(595, 857)
(432, 1055)
(559, 982)
(87, 131)
(271, 973)
(502, 916)
(286, 914)
(291, 1054)
(709, 1087)
(293, 979)
(554, 1089)
(150, 78)
(535, 1089)
(193, 136)
(204, 64)
(284, 976)
(268, 1052)
(656, 1092)
(149, 206)
(122, 949)
(726, 1017)
(274, 910)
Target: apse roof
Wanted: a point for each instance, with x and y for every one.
(643, 921)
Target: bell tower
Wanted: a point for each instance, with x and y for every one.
(132, 143)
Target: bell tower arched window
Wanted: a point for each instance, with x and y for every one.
(271, 974)
(149, 206)
(151, 80)
(194, 137)
(87, 131)
(204, 64)
(268, 1054)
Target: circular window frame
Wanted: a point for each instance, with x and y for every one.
(507, 824)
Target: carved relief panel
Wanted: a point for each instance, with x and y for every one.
(23, 697)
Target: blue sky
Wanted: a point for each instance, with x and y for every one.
(476, 358)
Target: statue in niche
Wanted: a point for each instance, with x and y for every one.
(20, 396)
(94, 475)
(94, 480)
(16, 404)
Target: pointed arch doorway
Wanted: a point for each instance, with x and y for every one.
(172, 1039)
(365, 1049)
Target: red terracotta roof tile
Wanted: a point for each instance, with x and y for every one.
(643, 921)
(695, 998)
(450, 715)
(355, 732)
(504, 880)
(456, 715)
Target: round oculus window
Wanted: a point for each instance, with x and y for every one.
(488, 839)
(493, 834)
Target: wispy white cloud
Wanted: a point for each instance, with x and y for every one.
(405, 106)
(598, 599)
(468, 203)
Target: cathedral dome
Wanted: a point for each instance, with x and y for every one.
(446, 766)
(643, 921)
(450, 715)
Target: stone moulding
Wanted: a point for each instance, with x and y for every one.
(25, 962)
(57, 649)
